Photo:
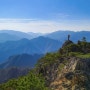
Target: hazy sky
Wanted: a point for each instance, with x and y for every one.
(44, 15)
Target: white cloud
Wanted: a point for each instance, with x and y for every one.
(33, 25)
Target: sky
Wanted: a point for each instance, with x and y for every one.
(44, 15)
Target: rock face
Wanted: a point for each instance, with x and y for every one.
(75, 75)
(69, 73)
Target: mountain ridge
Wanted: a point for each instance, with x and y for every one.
(21, 61)
(67, 69)
(34, 46)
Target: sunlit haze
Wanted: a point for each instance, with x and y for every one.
(44, 15)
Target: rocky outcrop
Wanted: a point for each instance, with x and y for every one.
(75, 75)
(68, 73)
(71, 71)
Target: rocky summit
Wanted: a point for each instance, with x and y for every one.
(67, 69)
(70, 70)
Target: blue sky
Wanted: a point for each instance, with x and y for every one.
(45, 15)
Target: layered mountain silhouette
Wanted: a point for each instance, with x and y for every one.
(21, 61)
(34, 35)
(8, 37)
(12, 73)
(75, 36)
(40, 45)
(11, 35)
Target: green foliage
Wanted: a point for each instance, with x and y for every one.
(61, 66)
(32, 81)
(49, 59)
(79, 54)
(84, 55)
(73, 48)
(75, 53)
(81, 46)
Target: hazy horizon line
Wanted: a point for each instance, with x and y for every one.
(45, 32)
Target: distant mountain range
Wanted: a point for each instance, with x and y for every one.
(34, 35)
(21, 61)
(40, 45)
(17, 43)
(75, 36)
(11, 35)
(12, 73)
(17, 65)
(8, 37)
